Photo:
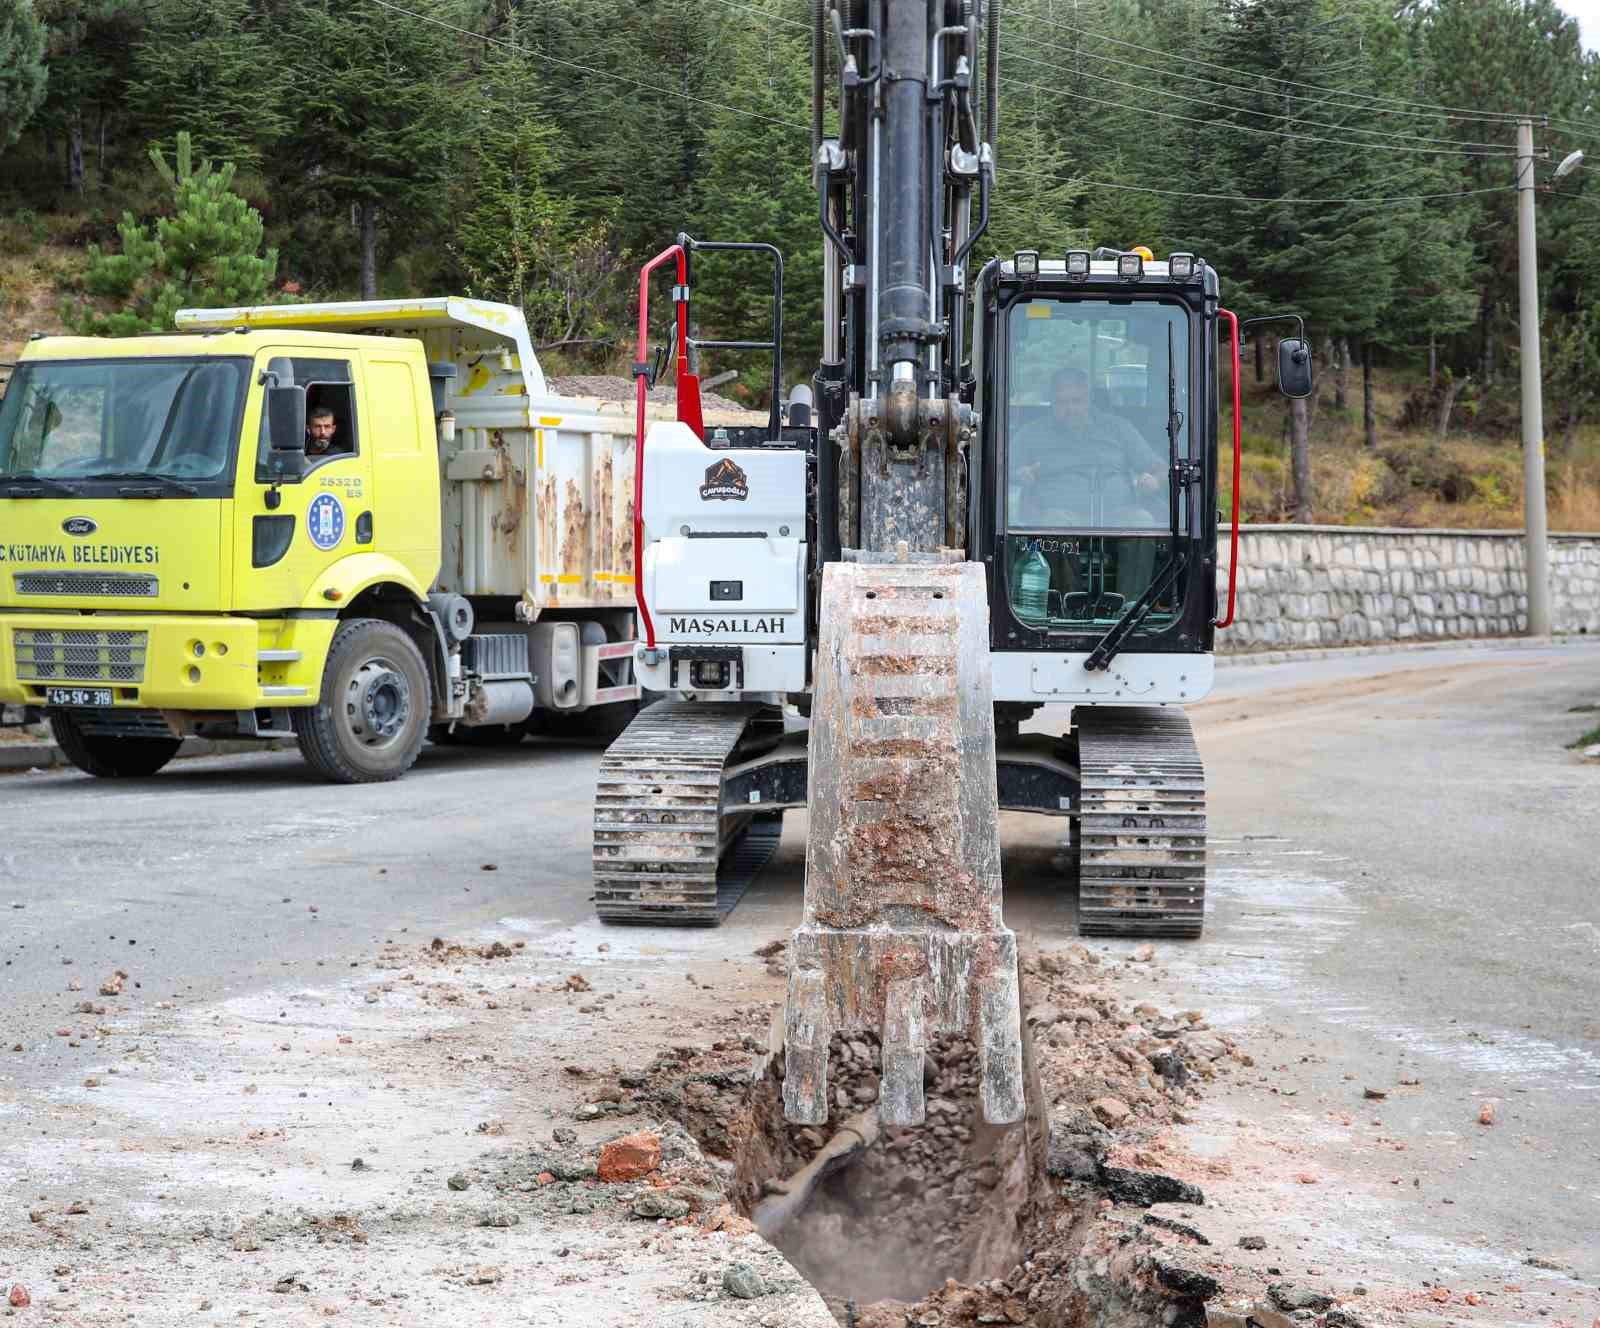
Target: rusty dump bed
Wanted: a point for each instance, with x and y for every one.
(902, 932)
(1141, 844)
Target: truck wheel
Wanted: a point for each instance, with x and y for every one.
(373, 713)
(111, 758)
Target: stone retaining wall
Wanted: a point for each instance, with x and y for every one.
(1343, 585)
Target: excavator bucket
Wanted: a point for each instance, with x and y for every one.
(902, 930)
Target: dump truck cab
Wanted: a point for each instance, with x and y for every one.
(181, 556)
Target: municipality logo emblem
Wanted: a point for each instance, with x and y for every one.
(325, 521)
(725, 480)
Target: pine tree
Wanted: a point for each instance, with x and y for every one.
(89, 47)
(208, 253)
(375, 115)
(22, 71)
(208, 67)
(754, 183)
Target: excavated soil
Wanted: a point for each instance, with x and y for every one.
(955, 1222)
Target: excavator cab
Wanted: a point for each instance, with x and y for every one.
(1098, 448)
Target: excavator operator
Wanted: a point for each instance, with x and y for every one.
(1084, 467)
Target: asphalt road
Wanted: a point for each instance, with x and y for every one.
(1405, 886)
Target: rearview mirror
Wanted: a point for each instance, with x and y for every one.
(286, 419)
(1294, 368)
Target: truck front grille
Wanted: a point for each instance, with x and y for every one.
(71, 655)
(86, 583)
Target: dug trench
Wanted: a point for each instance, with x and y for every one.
(1074, 1216)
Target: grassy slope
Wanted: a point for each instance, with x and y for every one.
(1469, 481)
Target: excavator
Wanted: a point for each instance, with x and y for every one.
(1002, 495)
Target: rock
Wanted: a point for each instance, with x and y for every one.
(1539, 1261)
(588, 1111)
(742, 1281)
(289, 1282)
(1180, 1228)
(1264, 1316)
(1143, 1188)
(1183, 1278)
(652, 1204)
(1252, 1242)
(246, 1242)
(499, 1217)
(18, 1298)
(483, 1276)
(1170, 1066)
(565, 1134)
(1338, 1317)
(1374, 1094)
(1144, 954)
(632, 1157)
(1486, 1114)
(458, 1182)
(1289, 1296)
(1111, 1111)
(1076, 1147)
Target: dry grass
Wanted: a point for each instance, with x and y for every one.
(1409, 480)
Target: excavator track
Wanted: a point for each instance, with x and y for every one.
(1141, 831)
(664, 852)
(902, 932)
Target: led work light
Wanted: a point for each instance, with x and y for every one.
(1078, 264)
(1180, 267)
(1130, 267)
(1026, 262)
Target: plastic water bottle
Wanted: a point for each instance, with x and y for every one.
(1031, 585)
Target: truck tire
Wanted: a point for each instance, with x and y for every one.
(110, 758)
(372, 715)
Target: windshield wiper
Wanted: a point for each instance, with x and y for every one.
(1107, 646)
(36, 486)
(144, 490)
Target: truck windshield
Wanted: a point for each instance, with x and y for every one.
(1097, 401)
(123, 419)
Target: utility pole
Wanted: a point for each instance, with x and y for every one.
(1537, 553)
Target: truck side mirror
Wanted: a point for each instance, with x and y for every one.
(286, 432)
(1294, 368)
(286, 419)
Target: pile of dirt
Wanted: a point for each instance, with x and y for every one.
(614, 387)
(956, 1222)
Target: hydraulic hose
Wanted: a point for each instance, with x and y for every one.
(991, 77)
(819, 65)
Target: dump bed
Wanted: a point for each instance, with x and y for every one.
(537, 488)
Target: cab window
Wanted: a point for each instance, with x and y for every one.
(330, 387)
(1097, 403)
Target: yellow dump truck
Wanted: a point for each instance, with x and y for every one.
(349, 523)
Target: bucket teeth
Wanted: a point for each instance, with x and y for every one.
(805, 1049)
(999, 1048)
(900, 1089)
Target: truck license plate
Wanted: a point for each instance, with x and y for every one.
(77, 696)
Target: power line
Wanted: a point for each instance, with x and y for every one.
(1249, 198)
(1247, 129)
(1455, 144)
(769, 15)
(587, 69)
(1211, 84)
(1457, 112)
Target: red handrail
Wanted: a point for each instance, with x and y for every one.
(688, 408)
(1233, 552)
